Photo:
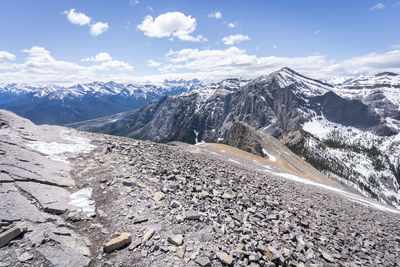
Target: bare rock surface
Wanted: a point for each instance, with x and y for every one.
(213, 212)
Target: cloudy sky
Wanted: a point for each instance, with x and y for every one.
(60, 42)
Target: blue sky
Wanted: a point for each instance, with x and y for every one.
(47, 41)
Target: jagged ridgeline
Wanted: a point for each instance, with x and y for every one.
(347, 131)
(61, 105)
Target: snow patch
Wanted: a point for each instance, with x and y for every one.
(59, 151)
(234, 161)
(270, 157)
(81, 200)
(347, 195)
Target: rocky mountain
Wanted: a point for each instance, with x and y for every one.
(358, 129)
(74, 198)
(61, 105)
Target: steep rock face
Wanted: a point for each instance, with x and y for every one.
(245, 137)
(344, 111)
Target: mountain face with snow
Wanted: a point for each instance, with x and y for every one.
(61, 105)
(346, 131)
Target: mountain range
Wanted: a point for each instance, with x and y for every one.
(349, 132)
(61, 105)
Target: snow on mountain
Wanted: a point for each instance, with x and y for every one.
(62, 105)
(102, 89)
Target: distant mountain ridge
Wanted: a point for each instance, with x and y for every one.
(61, 105)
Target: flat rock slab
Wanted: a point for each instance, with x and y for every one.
(53, 199)
(67, 249)
(118, 242)
(15, 206)
(10, 234)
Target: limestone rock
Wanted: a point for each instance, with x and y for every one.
(12, 233)
(224, 258)
(176, 240)
(149, 233)
(158, 196)
(118, 242)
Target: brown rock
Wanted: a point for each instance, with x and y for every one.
(118, 242)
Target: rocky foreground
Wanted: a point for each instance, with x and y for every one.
(96, 200)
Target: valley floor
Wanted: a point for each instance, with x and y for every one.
(225, 211)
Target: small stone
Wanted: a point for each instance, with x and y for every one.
(149, 233)
(181, 252)
(176, 240)
(140, 219)
(224, 258)
(172, 249)
(135, 244)
(175, 204)
(25, 257)
(118, 242)
(191, 215)
(158, 196)
(227, 196)
(272, 253)
(203, 261)
(327, 256)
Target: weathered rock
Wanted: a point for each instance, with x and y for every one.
(149, 233)
(224, 258)
(12, 233)
(176, 240)
(118, 242)
(191, 215)
(327, 256)
(158, 196)
(203, 261)
(140, 219)
(24, 257)
(272, 253)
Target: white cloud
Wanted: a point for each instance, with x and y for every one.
(274, 46)
(6, 56)
(77, 17)
(213, 65)
(234, 39)
(172, 25)
(98, 28)
(153, 63)
(133, 2)
(100, 57)
(167, 68)
(377, 7)
(215, 15)
(81, 19)
(231, 25)
(41, 67)
(205, 64)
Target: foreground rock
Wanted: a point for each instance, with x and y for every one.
(118, 242)
(10, 234)
(262, 220)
